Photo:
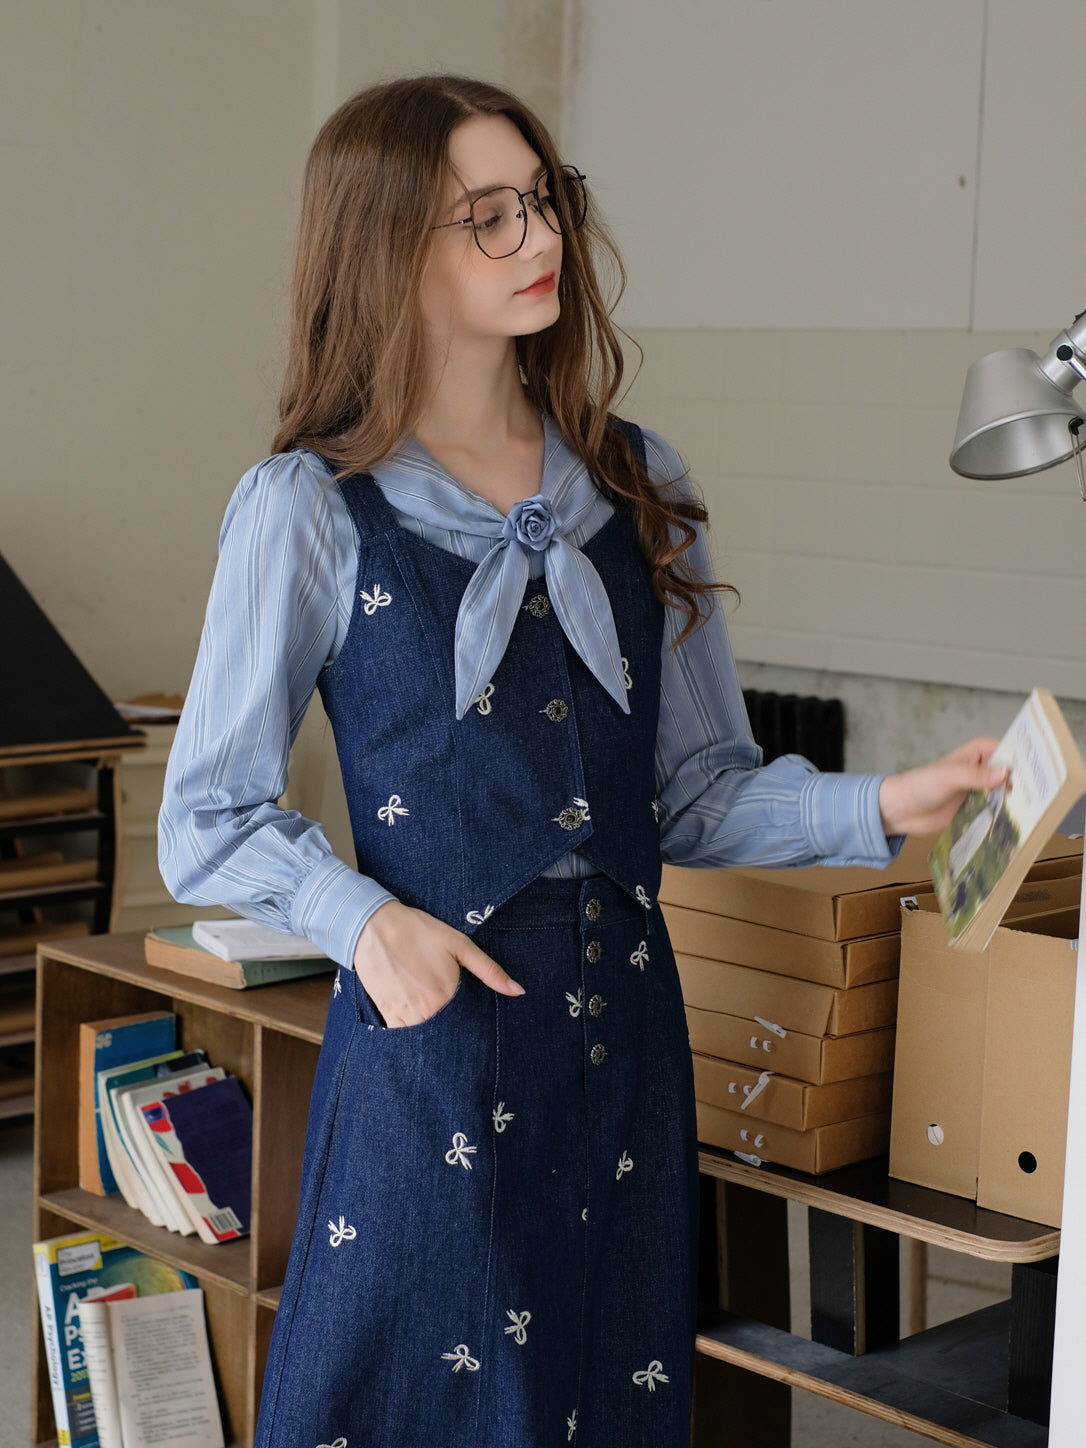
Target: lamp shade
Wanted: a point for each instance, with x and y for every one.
(1013, 419)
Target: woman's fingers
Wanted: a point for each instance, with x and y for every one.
(924, 800)
(488, 970)
(409, 963)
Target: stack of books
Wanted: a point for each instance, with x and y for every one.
(790, 983)
(126, 1346)
(164, 1127)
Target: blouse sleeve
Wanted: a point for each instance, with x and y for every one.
(719, 805)
(272, 622)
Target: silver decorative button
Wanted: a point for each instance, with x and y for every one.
(539, 605)
(557, 710)
(571, 818)
(596, 1004)
(592, 909)
(598, 1055)
(593, 951)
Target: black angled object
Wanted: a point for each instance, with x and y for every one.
(47, 698)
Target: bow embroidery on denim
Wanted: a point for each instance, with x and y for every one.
(461, 1358)
(340, 1233)
(520, 1321)
(375, 600)
(460, 1151)
(502, 1118)
(652, 1375)
(640, 955)
(394, 807)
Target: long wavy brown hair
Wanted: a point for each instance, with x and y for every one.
(355, 378)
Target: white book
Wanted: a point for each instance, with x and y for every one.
(149, 1159)
(242, 940)
(150, 1375)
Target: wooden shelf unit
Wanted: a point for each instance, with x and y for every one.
(950, 1384)
(980, 1381)
(68, 798)
(269, 1038)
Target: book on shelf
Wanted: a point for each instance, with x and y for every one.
(117, 1149)
(117, 1041)
(149, 1367)
(68, 1270)
(174, 948)
(143, 1153)
(205, 1136)
(982, 857)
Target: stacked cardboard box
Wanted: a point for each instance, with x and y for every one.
(984, 1050)
(790, 982)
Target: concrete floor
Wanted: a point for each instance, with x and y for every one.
(956, 1285)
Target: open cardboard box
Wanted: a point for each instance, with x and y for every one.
(984, 1058)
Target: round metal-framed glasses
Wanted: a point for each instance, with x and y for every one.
(499, 218)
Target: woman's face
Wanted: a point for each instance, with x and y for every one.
(467, 295)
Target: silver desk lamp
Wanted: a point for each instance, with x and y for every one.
(1018, 415)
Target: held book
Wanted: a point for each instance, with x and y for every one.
(68, 1269)
(149, 1366)
(174, 948)
(982, 857)
(114, 1042)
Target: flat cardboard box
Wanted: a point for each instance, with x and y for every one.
(983, 1062)
(825, 1148)
(817, 1059)
(784, 1101)
(828, 902)
(838, 963)
(797, 1005)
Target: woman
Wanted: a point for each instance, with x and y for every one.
(503, 595)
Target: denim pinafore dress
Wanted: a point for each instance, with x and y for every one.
(496, 1236)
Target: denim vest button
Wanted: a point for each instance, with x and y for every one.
(598, 1055)
(593, 951)
(539, 605)
(596, 1004)
(571, 818)
(557, 710)
(592, 909)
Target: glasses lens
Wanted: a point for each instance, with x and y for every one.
(564, 200)
(499, 222)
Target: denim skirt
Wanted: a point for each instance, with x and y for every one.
(496, 1237)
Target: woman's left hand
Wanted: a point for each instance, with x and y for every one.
(923, 801)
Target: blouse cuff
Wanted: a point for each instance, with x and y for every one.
(332, 905)
(842, 817)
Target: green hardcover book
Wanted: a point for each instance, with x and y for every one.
(173, 948)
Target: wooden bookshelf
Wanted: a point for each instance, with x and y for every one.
(269, 1038)
(59, 848)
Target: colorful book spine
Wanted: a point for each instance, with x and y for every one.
(206, 1137)
(106, 1044)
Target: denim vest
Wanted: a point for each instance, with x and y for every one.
(456, 816)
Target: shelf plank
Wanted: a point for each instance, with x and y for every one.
(906, 1385)
(226, 1263)
(296, 1007)
(55, 802)
(867, 1194)
(53, 824)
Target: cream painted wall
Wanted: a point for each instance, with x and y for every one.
(152, 159)
(827, 212)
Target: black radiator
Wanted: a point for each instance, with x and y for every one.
(789, 724)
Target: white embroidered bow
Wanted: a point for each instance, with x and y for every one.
(461, 1358)
(394, 807)
(652, 1375)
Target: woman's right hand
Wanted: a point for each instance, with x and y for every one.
(409, 964)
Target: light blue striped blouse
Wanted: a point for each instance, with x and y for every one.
(279, 608)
